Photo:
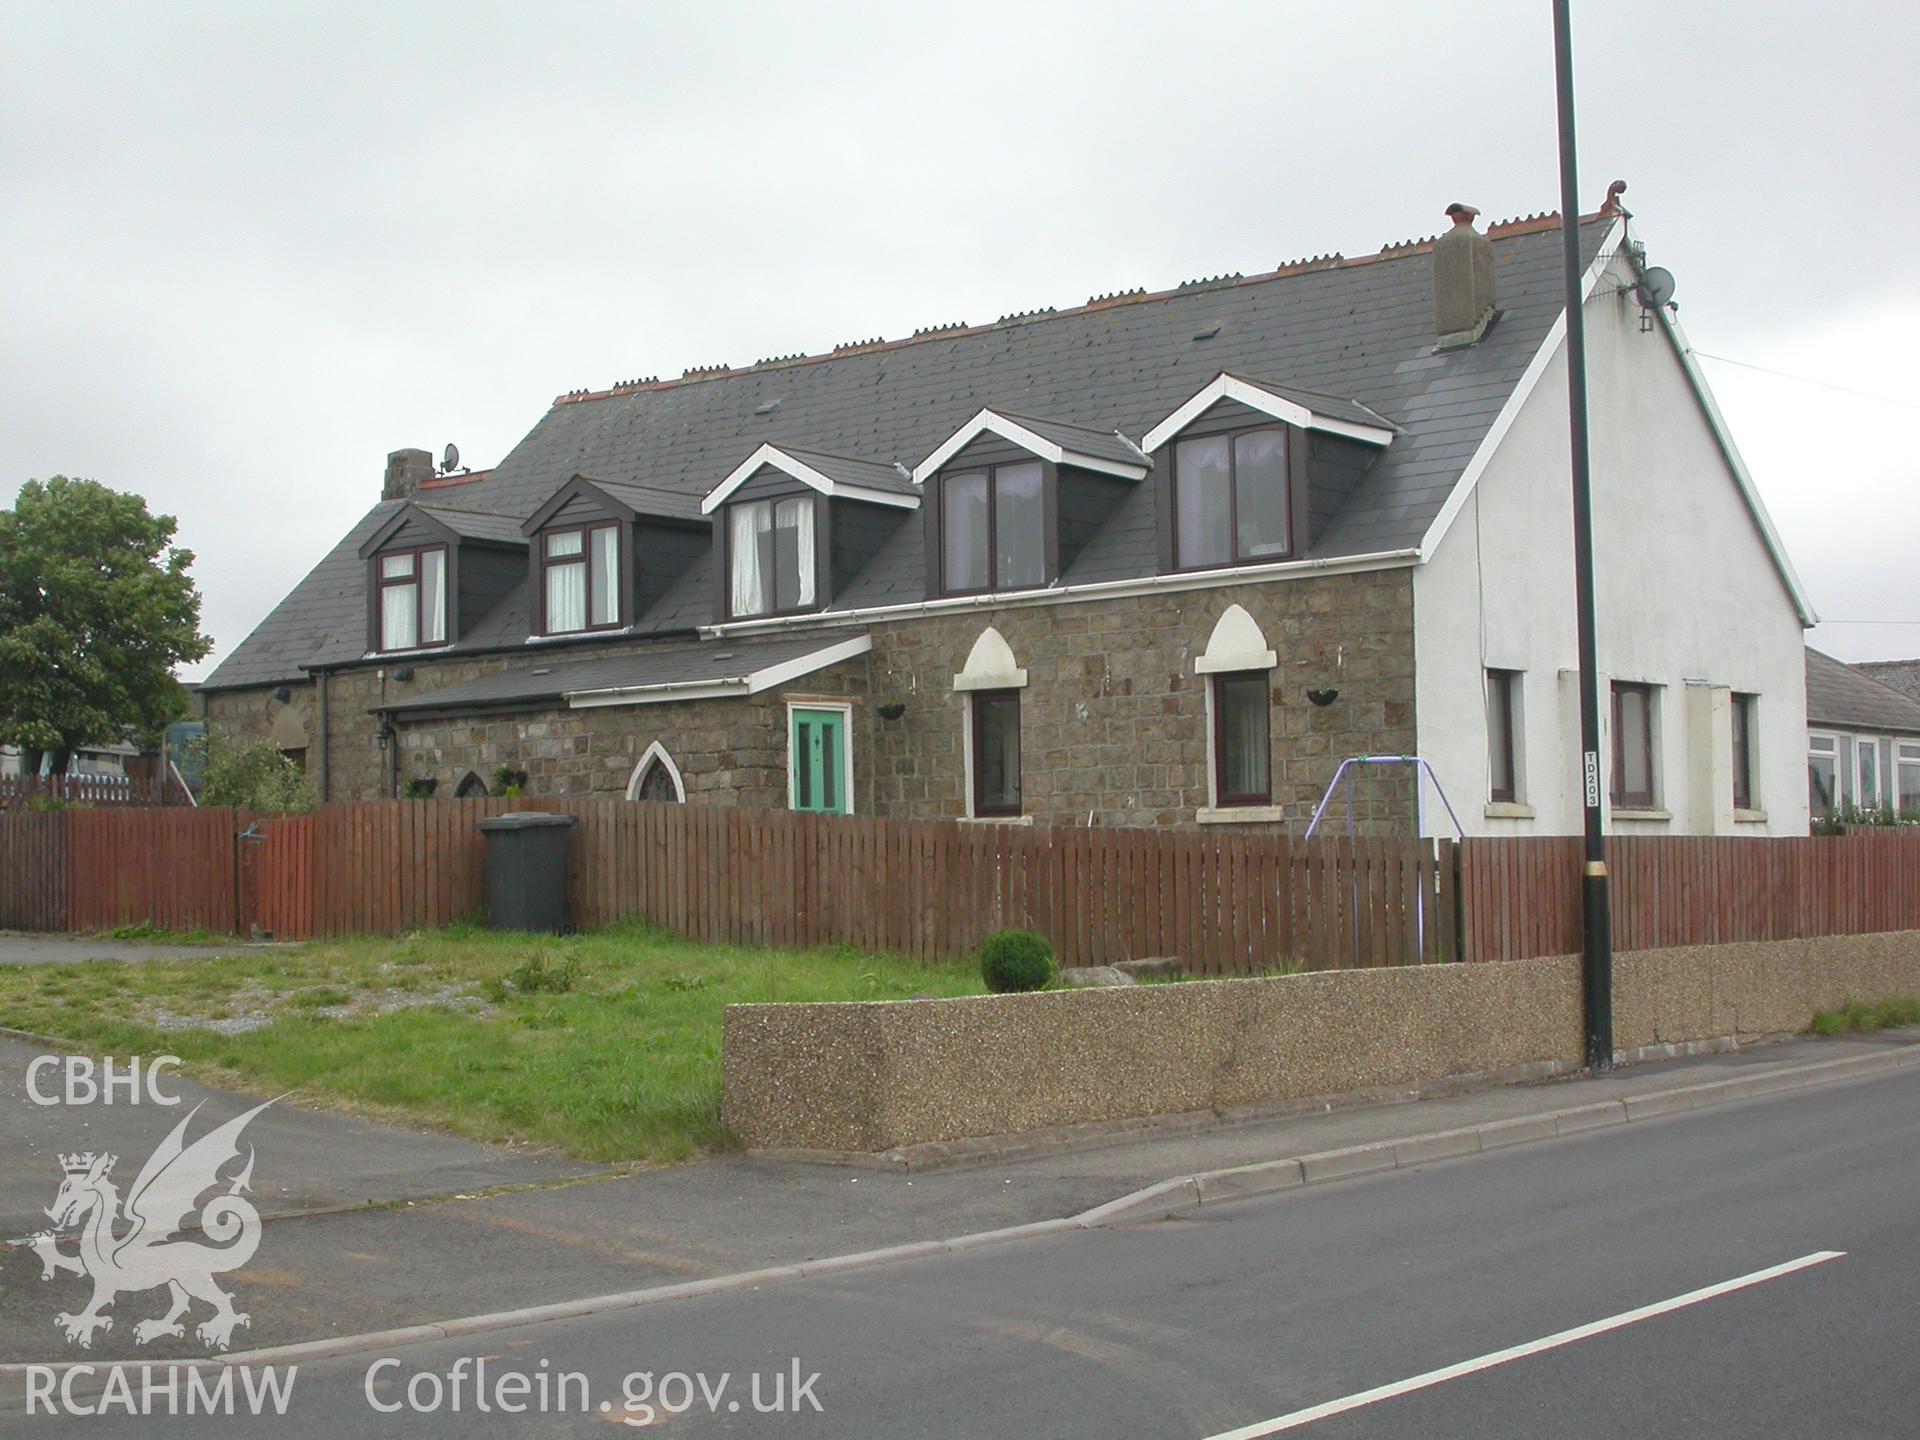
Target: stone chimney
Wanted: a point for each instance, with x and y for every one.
(1462, 282)
(405, 470)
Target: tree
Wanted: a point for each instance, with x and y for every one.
(96, 609)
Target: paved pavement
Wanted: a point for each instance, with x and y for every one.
(1225, 1324)
(17, 948)
(424, 1255)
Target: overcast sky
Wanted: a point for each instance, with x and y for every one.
(246, 249)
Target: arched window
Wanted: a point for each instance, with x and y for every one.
(1238, 669)
(657, 778)
(471, 787)
(992, 683)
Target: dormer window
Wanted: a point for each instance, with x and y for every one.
(412, 597)
(772, 561)
(580, 588)
(1233, 499)
(993, 528)
(1257, 469)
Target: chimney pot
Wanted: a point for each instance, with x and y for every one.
(405, 470)
(1463, 294)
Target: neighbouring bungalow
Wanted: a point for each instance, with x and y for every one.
(1160, 559)
(1863, 740)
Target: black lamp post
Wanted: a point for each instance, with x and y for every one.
(1596, 938)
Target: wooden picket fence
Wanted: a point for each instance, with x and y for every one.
(18, 791)
(1225, 904)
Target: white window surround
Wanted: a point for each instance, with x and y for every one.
(988, 422)
(808, 475)
(656, 754)
(1237, 643)
(991, 666)
(845, 708)
(1863, 746)
(1225, 386)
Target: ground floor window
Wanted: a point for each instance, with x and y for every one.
(1745, 714)
(1907, 772)
(1866, 756)
(656, 778)
(1633, 773)
(1503, 761)
(1823, 774)
(996, 752)
(1242, 753)
(471, 787)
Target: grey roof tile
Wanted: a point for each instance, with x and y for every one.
(1839, 694)
(1902, 675)
(688, 662)
(1361, 331)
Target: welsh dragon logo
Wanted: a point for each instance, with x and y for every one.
(136, 1248)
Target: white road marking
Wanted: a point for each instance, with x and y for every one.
(1295, 1420)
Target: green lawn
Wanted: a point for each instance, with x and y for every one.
(606, 1046)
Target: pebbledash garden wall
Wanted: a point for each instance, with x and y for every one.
(865, 1077)
(1113, 718)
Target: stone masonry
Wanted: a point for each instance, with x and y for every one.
(1113, 718)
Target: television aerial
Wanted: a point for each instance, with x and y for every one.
(1654, 291)
(452, 456)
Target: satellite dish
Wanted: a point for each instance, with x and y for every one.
(452, 457)
(1655, 288)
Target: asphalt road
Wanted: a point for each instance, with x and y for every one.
(1206, 1327)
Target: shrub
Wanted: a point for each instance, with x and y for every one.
(254, 775)
(1016, 960)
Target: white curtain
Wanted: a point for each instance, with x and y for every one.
(433, 597)
(606, 576)
(748, 589)
(799, 514)
(398, 617)
(566, 598)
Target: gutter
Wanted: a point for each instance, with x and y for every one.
(1089, 590)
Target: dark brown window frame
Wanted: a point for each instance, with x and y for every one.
(1500, 684)
(992, 473)
(1638, 799)
(1294, 516)
(1743, 710)
(981, 808)
(1222, 798)
(821, 519)
(585, 531)
(382, 584)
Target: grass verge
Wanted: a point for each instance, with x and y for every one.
(146, 932)
(606, 1046)
(1860, 1015)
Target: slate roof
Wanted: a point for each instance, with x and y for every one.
(1360, 329)
(845, 470)
(1096, 444)
(688, 662)
(476, 524)
(652, 499)
(1902, 675)
(1333, 407)
(1840, 695)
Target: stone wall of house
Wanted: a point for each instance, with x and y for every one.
(1113, 718)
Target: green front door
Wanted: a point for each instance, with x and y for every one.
(818, 753)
